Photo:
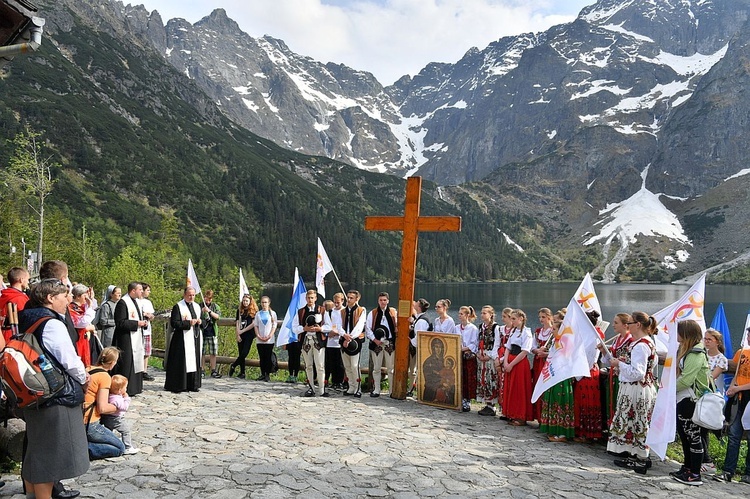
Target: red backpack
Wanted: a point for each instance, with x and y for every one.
(21, 364)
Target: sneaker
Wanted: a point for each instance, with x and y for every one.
(215, 374)
(131, 450)
(724, 477)
(679, 472)
(688, 478)
(486, 411)
(203, 375)
(709, 468)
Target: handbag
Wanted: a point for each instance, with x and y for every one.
(709, 409)
(70, 396)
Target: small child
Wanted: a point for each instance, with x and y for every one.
(116, 421)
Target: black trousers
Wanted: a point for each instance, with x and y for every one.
(244, 349)
(294, 350)
(690, 435)
(264, 355)
(334, 366)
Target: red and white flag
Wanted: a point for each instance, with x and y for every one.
(569, 355)
(663, 419)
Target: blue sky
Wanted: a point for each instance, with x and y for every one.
(389, 38)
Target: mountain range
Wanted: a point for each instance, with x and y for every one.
(614, 141)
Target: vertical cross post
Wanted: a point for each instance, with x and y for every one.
(411, 224)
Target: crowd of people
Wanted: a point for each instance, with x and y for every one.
(105, 349)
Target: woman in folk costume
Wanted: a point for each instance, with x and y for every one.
(82, 312)
(505, 330)
(487, 361)
(184, 358)
(444, 322)
(619, 348)
(635, 397)
(542, 338)
(558, 416)
(469, 344)
(588, 397)
(517, 389)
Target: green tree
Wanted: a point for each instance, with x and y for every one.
(30, 170)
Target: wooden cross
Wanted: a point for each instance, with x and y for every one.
(411, 224)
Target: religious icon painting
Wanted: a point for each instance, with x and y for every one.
(439, 369)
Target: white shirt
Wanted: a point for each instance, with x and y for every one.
(336, 325)
(298, 329)
(445, 326)
(421, 325)
(57, 342)
(267, 329)
(469, 336)
(522, 338)
(146, 308)
(636, 370)
(369, 331)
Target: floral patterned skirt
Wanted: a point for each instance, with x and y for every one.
(486, 381)
(557, 416)
(635, 403)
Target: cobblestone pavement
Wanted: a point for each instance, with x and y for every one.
(238, 438)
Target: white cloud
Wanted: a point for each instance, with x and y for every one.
(389, 38)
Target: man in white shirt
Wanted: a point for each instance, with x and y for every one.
(380, 329)
(312, 325)
(353, 318)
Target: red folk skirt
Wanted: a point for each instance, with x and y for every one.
(588, 406)
(517, 392)
(468, 377)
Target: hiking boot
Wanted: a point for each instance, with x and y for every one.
(688, 478)
(724, 477)
(486, 411)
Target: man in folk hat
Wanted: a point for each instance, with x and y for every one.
(312, 325)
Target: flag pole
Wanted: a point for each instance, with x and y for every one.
(338, 281)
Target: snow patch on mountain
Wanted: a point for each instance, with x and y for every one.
(641, 214)
(512, 242)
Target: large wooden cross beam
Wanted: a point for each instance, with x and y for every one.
(411, 224)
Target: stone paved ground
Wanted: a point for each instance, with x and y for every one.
(237, 438)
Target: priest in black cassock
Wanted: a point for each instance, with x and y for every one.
(128, 338)
(185, 347)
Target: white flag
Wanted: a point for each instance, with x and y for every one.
(323, 267)
(286, 335)
(663, 420)
(243, 287)
(192, 279)
(586, 297)
(568, 356)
